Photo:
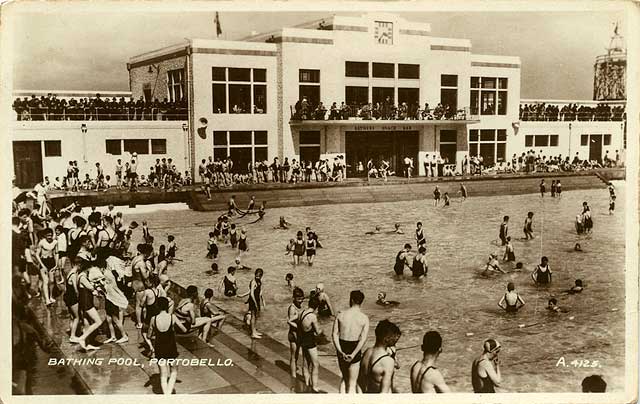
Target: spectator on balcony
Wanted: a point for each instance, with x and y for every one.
(404, 111)
(320, 112)
(333, 112)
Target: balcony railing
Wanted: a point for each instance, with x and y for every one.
(100, 114)
(365, 112)
(568, 111)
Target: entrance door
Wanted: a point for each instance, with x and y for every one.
(27, 163)
(595, 148)
(379, 145)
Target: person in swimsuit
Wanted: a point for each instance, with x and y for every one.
(509, 254)
(576, 288)
(543, 188)
(612, 204)
(232, 205)
(379, 362)
(209, 309)
(242, 242)
(252, 205)
(70, 298)
(46, 254)
(307, 330)
(553, 188)
(283, 224)
(255, 301)
(61, 240)
(553, 307)
(171, 248)
(425, 377)
(115, 300)
(542, 274)
(504, 230)
(212, 247)
(310, 248)
(186, 314)
(382, 300)
(485, 370)
(298, 248)
(587, 221)
(528, 227)
(86, 292)
(419, 267)
(289, 279)
(146, 307)
(229, 282)
(463, 191)
(447, 200)
(558, 188)
(350, 330)
(293, 313)
(162, 331)
(397, 229)
(420, 238)
(511, 302)
(402, 260)
(492, 265)
(233, 236)
(324, 306)
(436, 196)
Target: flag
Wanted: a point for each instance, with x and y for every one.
(218, 28)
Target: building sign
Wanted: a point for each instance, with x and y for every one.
(370, 128)
(383, 32)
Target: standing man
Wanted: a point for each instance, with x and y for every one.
(119, 174)
(485, 371)
(379, 362)
(504, 230)
(133, 174)
(425, 377)
(350, 330)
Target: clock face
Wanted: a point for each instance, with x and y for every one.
(384, 32)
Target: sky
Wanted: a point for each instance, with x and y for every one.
(88, 50)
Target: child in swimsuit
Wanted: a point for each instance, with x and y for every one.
(290, 246)
(509, 254)
(492, 265)
(289, 279)
(420, 239)
(577, 288)
(242, 242)
(528, 226)
(233, 236)
(298, 248)
(171, 248)
(212, 247)
(542, 274)
(436, 196)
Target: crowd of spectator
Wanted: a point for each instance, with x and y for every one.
(52, 108)
(385, 110)
(571, 112)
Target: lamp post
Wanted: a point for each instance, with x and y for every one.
(569, 140)
(83, 128)
(185, 132)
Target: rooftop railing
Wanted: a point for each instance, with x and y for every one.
(568, 111)
(100, 114)
(385, 113)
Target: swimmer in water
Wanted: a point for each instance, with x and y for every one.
(420, 239)
(612, 204)
(214, 269)
(212, 247)
(492, 265)
(382, 300)
(553, 306)
(518, 267)
(232, 205)
(283, 224)
(229, 283)
(290, 247)
(398, 229)
(504, 230)
(511, 302)
(463, 191)
(324, 304)
(528, 227)
(577, 247)
(289, 279)
(509, 254)
(436, 196)
(402, 260)
(576, 288)
(376, 231)
(298, 248)
(579, 224)
(446, 199)
(542, 274)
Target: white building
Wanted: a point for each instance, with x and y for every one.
(242, 95)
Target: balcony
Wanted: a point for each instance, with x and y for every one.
(558, 110)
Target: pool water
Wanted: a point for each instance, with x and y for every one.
(454, 299)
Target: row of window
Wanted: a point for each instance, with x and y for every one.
(140, 146)
(243, 147)
(238, 74)
(246, 98)
(541, 140)
(490, 143)
(382, 70)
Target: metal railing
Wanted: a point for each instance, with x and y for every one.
(100, 114)
(365, 112)
(542, 111)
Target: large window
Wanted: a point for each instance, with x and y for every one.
(243, 147)
(489, 95)
(140, 146)
(448, 145)
(541, 141)
(357, 96)
(158, 146)
(383, 70)
(309, 86)
(309, 146)
(491, 144)
(113, 147)
(449, 92)
(235, 90)
(309, 76)
(381, 94)
(356, 69)
(406, 71)
(175, 86)
(52, 148)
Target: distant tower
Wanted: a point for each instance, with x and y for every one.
(610, 71)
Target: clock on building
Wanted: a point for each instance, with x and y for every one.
(384, 32)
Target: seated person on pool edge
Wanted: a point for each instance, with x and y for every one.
(511, 302)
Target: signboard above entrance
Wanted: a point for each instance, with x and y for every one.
(367, 128)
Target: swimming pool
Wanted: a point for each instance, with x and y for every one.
(454, 299)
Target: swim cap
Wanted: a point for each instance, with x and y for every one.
(381, 295)
(320, 287)
(237, 260)
(491, 345)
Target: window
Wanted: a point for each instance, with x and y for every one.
(243, 147)
(357, 96)
(607, 140)
(140, 146)
(260, 75)
(113, 147)
(236, 74)
(448, 145)
(158, 146)
(309, 145)
(584, 140)
(356, 69)
(541, 141)
(309, 76)
(553, 140)
(528, 141)
(491, 144)
(175, 85)
(229, 96)
(408, 71)
(449, 80)
(383, 70)
(488, 95)
(380, 94)
(52, 148)
(219, 98)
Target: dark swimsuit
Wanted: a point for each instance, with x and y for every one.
(85, 297)
(420, 237)
(70, 294)
(511, 308)
(481, 384)
(543, 276)
(348, 347)
(229, 287)
(299, 248)
(254, 303)
(306, 339)
(399, 266)
(311, 247)
(165, 343)
(371, 387)
(152, 310)
(417, 268)
(292, 335)
(185, 318)
(417, 388)
(233, 238)
(242, 243)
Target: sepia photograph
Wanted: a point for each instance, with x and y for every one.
(333, 198)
